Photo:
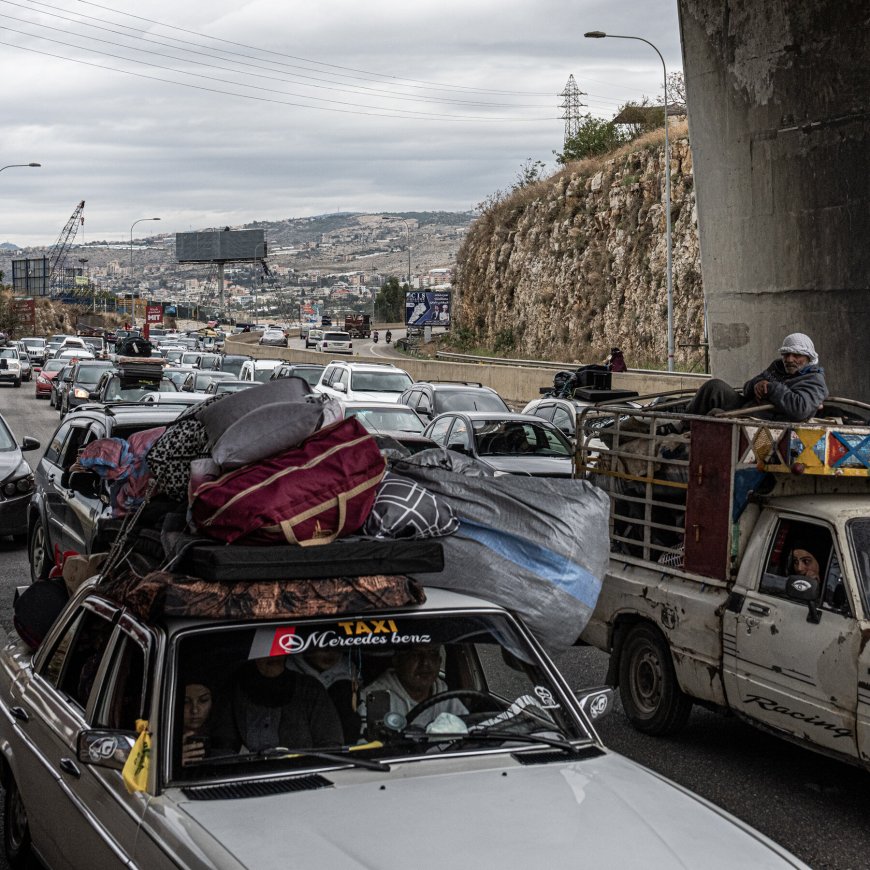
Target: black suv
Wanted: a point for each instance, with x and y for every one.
(71, 511)
(83, 381)
(431, 398)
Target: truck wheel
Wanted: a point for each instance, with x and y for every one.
(16, 829)
(651, 696)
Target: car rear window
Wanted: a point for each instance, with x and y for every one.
(380, 382)
(473, 400)
(90, 374)
(336, 336)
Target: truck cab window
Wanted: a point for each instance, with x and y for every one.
(806, 549)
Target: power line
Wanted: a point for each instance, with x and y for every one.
(396, 113)
(390, 94)
(396, 79)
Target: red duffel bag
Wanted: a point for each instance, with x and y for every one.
(316, 492)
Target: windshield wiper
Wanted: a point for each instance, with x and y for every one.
(499, 736)
(278, 752)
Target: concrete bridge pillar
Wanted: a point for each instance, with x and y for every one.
(779, 118)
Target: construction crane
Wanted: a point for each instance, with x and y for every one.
(57, 255)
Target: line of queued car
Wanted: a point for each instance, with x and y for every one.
(501, 750)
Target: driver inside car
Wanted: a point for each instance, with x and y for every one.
(413, 679)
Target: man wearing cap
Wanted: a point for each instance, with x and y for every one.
(794, 384)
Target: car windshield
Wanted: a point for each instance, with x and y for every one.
(8, 353)
(7, 442)
(387, 419)
(262, 375)
(472, 400)
(53, 365)
(89, 374)
(133, 389)
(190, 359)
(34, 343)
(311, 374)
(273, 696)
(233, 365)
(380, 382)
(518, 438)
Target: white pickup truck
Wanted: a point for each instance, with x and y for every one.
(740, 570)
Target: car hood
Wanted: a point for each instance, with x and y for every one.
(599, 812)
(12, 464)
(544, 466)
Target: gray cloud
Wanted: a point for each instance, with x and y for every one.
(133, 147)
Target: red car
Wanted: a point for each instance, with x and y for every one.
(47, 375)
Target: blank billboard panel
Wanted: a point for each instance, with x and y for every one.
(220, 246)
(30, 277)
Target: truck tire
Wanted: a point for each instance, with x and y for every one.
(651, 697)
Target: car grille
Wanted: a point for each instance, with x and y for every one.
(256, 788)
(551, 757)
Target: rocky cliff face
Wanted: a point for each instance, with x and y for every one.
(567, 267)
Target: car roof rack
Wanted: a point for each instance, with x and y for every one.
(455, 383)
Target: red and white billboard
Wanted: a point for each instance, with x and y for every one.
(154, 314)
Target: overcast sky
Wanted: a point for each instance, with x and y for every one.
(217, 113)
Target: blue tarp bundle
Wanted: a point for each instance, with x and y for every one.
(538, 546)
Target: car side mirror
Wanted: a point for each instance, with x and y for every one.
(84, 483)
(459, 448)
(805, 589)
(104, 748)
(29, 443)
(595, 703)
(339, 387)
(94, 396)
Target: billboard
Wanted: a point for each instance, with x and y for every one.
(220, 246)
(430, 307)
(30, 277)
(25, 314)
(154, 314)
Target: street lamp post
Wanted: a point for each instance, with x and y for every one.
(132, 297)
(408, 231)
(598, 34)
(14, 165)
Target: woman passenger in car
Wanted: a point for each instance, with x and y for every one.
(271, 706)
(198, 701)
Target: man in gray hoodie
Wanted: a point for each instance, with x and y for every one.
(794, 384)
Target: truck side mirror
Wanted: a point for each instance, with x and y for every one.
(806, 589)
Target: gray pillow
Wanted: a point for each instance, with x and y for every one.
(265, 431)
(219, 416)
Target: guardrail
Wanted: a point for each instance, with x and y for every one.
(556, 366)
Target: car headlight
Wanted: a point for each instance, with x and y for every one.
(42, 379)
(12, 365)
(18, 487)
(79, 393)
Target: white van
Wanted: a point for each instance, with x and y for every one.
(334, 341)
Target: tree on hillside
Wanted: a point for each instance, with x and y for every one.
(390, 301)
(676, 89)
(595, 136)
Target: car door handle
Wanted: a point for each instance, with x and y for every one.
(69, 766)
(760, 609)
(20, 713)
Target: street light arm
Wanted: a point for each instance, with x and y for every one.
(15, 165)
